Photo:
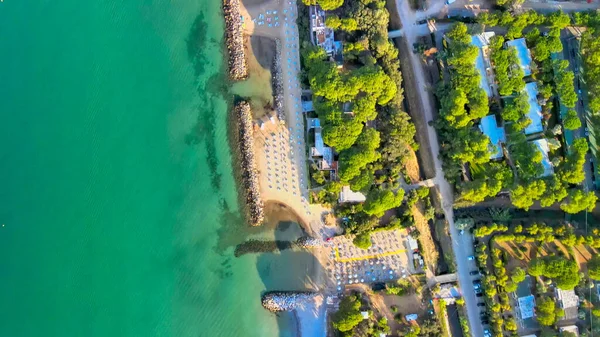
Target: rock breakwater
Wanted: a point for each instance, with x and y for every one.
(254, 202)
(309, 242)
(234, 38)
(277, 79)
(277, 301)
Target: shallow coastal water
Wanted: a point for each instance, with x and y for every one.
(118, 203)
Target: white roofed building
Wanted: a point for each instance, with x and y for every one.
(347, 195)
(569, 302)
(320, 34)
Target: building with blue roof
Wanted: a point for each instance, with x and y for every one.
(542, 146)
(523, 54)
(482, 62)
(496, 134)
(535, 110)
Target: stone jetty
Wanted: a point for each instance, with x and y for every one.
(234, 38)
(309, 242)
(276, 70)
(254, 202)
(277, 301)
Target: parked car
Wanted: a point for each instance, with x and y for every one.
(478, 291)
(478, 294)
(475, 272)
(471, 257)
(481, 304)
(487, 333)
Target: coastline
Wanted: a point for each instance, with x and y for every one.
(271, 161)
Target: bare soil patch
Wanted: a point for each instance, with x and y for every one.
(430, 252)
(521, 258)
(412, 168)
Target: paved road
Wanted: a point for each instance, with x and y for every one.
(461, 244)
(468, 8)
(570, 51)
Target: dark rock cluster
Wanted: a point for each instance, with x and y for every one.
(234, 36)
(309, 242)
(277, 301)
(277, 78)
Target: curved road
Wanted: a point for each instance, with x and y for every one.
(461, 244)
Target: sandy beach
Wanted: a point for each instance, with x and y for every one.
(311, 318)
(279, 138)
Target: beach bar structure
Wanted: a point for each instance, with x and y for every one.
(523, 54)
(347, 195)
(535, 110)
(482, 62)
(496, 134)
(320, 34)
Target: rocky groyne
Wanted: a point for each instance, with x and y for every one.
(277, 78)
(234, 38)
(277, 301)
(309, 242)
(254, 202)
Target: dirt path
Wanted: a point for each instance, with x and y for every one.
(408, 17)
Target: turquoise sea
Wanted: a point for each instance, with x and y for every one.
(118, 204)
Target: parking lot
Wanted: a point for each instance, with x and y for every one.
(386, 260)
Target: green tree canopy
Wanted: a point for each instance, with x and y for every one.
(579, 201)
(593, 267)
(558, 20)
(546, 311)
(356, 158)
(564, 272)
(379, 201)
(333, 21)
(348, 316)
(523, 196)
(556, 191)
(325, 4)
(571, 169)
(518, 275)
(362, 240)
(572, 121)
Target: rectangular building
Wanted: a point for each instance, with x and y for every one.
(542, 146)
(523, 54)
(484, 67)
(495, 133)
(320, 34)
(535, 110)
